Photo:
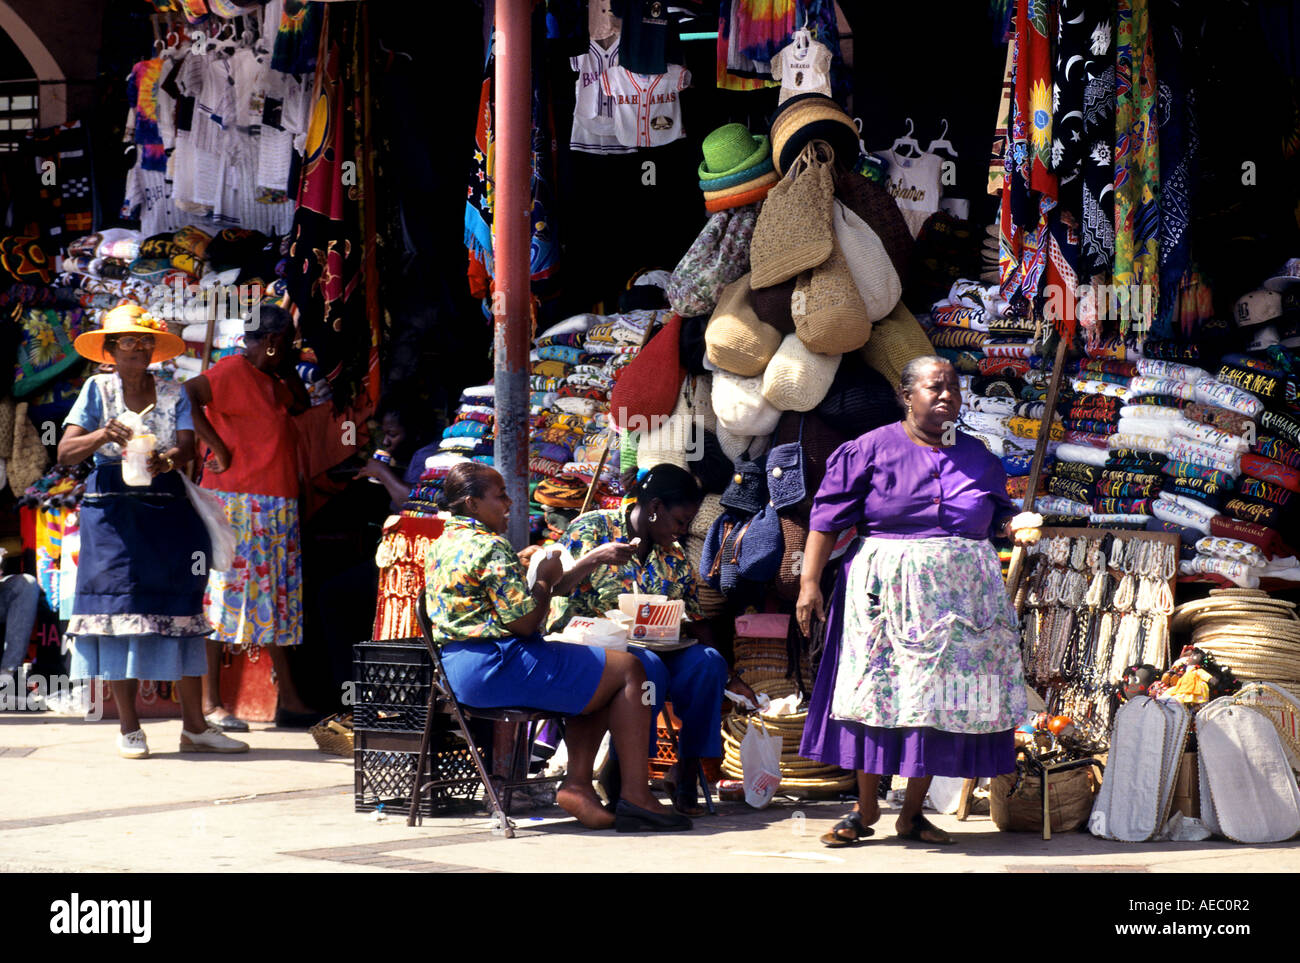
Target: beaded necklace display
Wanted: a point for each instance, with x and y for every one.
(1093, 606)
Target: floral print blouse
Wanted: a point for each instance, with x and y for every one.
(475, 584)
(667, 571)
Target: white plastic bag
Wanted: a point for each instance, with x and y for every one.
(219, 528)
(760, 762)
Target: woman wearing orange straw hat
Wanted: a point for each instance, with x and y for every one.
(138, 608)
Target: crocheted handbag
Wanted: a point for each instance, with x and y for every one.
(747, 493)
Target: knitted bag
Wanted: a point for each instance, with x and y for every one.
(740, 406)
(747, 493)
(718, 566)
(859, 400)
(735, 339)
(796, 379)
(896, 340)
(772, 305)
(647, 386)
(829, 314)
(674, 440)
(786, 484)
(873, 273)
(793, 232)
(794, 538)
(718, 256)
(760, 549)
(873, 204)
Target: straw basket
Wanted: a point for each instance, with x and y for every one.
(334, 734)
(797, 773)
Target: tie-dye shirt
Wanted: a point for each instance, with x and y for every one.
(475, 584)
(667, 571)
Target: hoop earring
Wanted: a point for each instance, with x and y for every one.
(654, 516)
(270, 352)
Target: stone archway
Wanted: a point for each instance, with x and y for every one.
(53, 96)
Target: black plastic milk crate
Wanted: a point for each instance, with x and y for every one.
(390, 718)
(392, 674)
(384, 764)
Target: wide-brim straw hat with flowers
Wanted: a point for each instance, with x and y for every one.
(129, 319)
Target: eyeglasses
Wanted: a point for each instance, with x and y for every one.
(130, 342)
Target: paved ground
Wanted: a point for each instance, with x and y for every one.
(68, 803)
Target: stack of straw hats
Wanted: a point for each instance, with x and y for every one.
(737, 168)
(1258, 637)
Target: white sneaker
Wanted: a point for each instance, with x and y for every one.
(210, 740)
(131, 745)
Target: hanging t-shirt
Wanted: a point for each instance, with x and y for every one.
(803, 69)
(649, 36)
(647, 108)
(593, 109)
(914, 183)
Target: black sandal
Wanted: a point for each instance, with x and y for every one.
(922, 825)
(852, 822)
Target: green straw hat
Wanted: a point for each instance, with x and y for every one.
(731, 149)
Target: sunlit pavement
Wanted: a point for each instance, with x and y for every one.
(68, 803)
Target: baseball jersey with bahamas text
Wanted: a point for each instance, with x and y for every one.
(647, 107)
(593, 109)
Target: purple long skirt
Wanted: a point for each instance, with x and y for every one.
(893, 752)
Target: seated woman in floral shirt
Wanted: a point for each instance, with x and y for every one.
(487, 620)
(693, 679)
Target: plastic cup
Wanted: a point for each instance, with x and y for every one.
(135, 460)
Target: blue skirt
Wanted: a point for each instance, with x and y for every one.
(141, 574)
(529, 673)
(154, 657)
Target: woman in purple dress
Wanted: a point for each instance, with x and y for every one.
(921, 675)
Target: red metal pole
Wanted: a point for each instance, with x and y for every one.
(512, 220)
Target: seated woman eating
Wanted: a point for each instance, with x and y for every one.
(487, 620)
(652, 562)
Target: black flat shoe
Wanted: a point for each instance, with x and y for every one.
(634, 819)
(296, 720)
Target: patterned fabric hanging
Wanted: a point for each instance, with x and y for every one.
(1097, 234)
(481, 201)
(1137, 170)
(1037, 244)
(324, 268)
(1182, 297)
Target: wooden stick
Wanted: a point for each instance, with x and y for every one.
(207, 341)
(604, 455)
(595, 479)
(1036, 466)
